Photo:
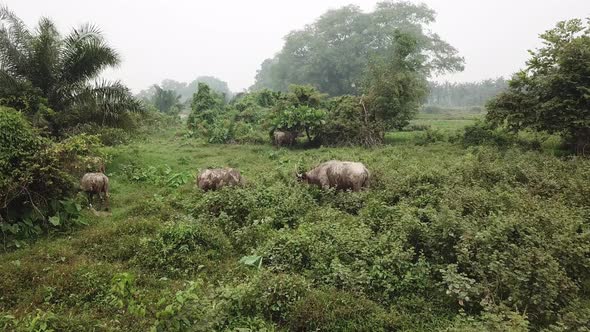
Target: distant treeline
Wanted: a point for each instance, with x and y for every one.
(186, 90)
(464, 94)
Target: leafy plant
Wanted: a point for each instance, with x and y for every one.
(125, 294)
(184, 311)
(253, 260)
(551, 93)
(161, 175)
(58, 69)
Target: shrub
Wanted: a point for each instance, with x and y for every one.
(347, 124)
(31, 176)
(108, 136)
(185, 310)
(430, 136)
(480, 133)
(268, 295)
(80, 154)
(496, 320)
(333, 249)
(331, 310)
(182, 248)
(433, 109)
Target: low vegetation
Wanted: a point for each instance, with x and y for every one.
(446, 237)
(444, 220)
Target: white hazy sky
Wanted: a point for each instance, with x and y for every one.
(229, 39)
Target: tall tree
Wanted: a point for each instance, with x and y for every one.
(332, 54)
(165, 100)
(552, 93)
(206, 106)
(395, 86)
(59, 70)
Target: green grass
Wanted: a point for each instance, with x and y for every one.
(429, 190)
(447, 122)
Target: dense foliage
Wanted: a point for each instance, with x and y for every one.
(29, 169)
(333, 53)
(347, 124)
(298, 111)
(38, 177)
(47, 75)
(395, 86)
(552, 93)
(394, 91)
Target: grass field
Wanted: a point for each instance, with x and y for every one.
(446, 123)
(168, 257)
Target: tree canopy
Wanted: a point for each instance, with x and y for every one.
(394, 86)
(332, 54)
(165, 100)
(552, 93)
(48, 75)
(186, 90)
(205, 105)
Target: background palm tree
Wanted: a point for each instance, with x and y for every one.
(61, 73)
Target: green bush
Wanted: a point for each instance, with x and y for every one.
(183, 248)
(347, 124)
(430, 136)
(267, 295)
(480, 133)
(31, 175)
(494, 320)
(80, 154)
(108, 136)
(333, 249)
(331, 310)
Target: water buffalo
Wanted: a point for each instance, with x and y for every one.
(284, 138)
(96, 184)
(213, 179)
(337, 174)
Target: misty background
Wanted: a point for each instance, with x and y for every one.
(182, 40)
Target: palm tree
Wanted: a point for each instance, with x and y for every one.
(59, 70)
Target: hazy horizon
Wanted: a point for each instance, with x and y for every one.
(182, 40)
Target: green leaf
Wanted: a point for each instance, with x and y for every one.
(55, 221)
(252, 261)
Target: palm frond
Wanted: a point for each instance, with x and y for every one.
(45, 54)
(9, 85)
(15, 27)
(15, 40)
(106, 101)
(84, 32)
(85, 54)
